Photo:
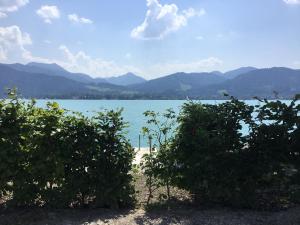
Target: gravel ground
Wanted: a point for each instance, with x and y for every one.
(155, 217)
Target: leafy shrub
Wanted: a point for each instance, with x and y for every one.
(52, 157)
(157, 166)
(274, 151)
(112, 162)
(218, 164)
(207, 148)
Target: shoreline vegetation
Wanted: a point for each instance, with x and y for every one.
(184, 98)
(197, 167)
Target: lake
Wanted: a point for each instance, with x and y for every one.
(133, 111)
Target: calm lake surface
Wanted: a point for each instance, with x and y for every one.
(133, 111)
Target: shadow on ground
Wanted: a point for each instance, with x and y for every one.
(61, 217)
(151, 216)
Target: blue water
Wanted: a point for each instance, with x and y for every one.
(133, 111)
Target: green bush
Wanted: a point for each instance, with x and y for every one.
(52, 157)
(274, 151)
(207, 148)
(218, 164)
(57, 158)
(13, 146)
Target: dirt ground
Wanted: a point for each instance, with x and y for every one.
(155, 217)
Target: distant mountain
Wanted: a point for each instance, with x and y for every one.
(257, 82)
(217, 73)
(54, 70)
(126, 79)
(178, 84)
(45, 66)
(46, 86)
(38, 85)
(52, 81)
(262, 83)
(234, 73)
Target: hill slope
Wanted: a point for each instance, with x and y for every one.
(53, 70)
(257, 82)
(261, 83)
(38, 85)
(264, 82)
(234, 73)
(126, 79)
(50, 80)
(178, 84)
(45, 86)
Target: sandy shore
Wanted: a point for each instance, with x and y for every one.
(139, 154)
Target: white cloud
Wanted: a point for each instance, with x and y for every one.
(81, 62)
(192, 12)
(76, 19)
(13, 48)
(13, 42)
(163, 19)
(28, 57)
(2, 54)
(209, 64)
(97, 67)
(200, 38)
(11, 5)
(2, 15)
(48, 13)
(292, 2)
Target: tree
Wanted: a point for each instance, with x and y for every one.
(158, 164)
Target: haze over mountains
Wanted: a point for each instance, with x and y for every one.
(40, 80)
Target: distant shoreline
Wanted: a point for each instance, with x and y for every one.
(179, 99)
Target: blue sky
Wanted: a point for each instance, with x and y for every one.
(151, 37)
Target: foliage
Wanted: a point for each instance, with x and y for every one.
(52, 157)
(220, 165)
(13, 145)
(157, 165)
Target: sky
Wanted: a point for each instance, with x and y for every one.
(151, 38)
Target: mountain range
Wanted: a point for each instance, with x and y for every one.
(41, 80)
